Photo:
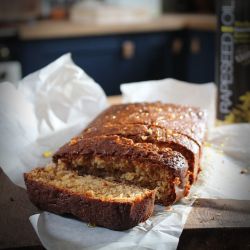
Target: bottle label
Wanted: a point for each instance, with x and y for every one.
(233, 61)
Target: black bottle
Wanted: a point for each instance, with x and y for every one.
(233, 60)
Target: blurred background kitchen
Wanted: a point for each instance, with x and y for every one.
(114, 41)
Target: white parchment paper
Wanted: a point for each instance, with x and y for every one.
(46, 109)
(56, 102)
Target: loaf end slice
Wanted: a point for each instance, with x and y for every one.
(91, 199)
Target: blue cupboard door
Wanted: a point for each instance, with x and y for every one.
(126, 58)
(176, 55)
(200, 65)
(147, 60)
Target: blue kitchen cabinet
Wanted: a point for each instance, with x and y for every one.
(104, 58)
(176, 56)
(192, 54)
(188, 55)
(200, 56)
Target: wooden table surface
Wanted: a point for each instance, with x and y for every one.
(212, 224)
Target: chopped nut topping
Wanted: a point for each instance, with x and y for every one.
(90, 193)
(193, 129)
(105, 184)
(172, 115)
(169, 131)
(88, 130)
(177, 181)
(244, 171)
(150, 131)
(73, 141)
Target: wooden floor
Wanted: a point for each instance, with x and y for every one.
(212, 224)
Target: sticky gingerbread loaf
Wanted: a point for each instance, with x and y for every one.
(91, 199)
(152, 145)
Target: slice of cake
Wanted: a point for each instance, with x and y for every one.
(94, 200)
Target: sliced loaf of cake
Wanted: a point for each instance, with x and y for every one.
(152, 145)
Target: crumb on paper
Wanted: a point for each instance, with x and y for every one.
(197, 203)
(195, 196)
(91, 225)
(47, 154)
(219, 151)
(244, 171)
(207, 144)
(187, 199)
(168, 208)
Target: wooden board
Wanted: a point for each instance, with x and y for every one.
(212, 224)
(219, 213)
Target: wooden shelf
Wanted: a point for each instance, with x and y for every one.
(59, 29)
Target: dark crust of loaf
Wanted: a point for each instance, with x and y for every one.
(113, 215)
(123, 148)
(186, 120)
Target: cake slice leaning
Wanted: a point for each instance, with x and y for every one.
(91, 199)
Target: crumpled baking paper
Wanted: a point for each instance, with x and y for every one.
(56, 102)
(46, 109)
